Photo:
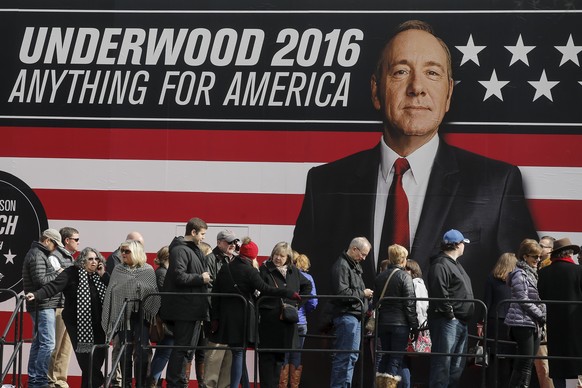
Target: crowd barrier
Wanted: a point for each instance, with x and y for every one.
(14, 325)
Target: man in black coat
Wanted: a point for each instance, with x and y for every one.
(187, 274)
(446, 187)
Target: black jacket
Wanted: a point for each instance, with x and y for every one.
(346, 280)
(66, 260)
(187, 263)
(215, 261)
(448, 279)
(396, 312)
(229, 311)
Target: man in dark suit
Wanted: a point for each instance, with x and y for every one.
(446, 187)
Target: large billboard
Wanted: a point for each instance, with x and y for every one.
(124, 119)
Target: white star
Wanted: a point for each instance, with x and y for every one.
(493, 86)
(543, 87)
(470, 51)
(519, 52)
(9, 257)
(569, 52)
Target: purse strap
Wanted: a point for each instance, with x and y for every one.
(388, 281)
(276, 286)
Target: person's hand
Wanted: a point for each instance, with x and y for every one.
(414, 334)
(206, 277)
(100, 269)
(214, 326)
(296, 297)
(30, 296)
(368, 293)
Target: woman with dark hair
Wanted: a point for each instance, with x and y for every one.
(279, 272)
(83, 285)
(240, 276)
(525, 319)
(496, 290)
(132, 280)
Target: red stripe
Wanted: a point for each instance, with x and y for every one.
(267, 146)
(266, 209)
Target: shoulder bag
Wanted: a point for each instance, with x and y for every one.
(289, 312)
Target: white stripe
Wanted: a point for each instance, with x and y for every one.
(222, 177)
(107, 235)
(160, 175)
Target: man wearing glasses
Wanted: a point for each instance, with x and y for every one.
(217, 362)
(59, 363)
(346, 280)
(37, 270)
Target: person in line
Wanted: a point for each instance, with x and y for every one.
(37, 271)
(133, 280)
(525, 320)
(187, 274)
(279, 272)
(292, 367)
(240, 276)
(447, 319)
(420, 291)
(161, 355)
(59, 364)
(541, 364)
(562, 280)
(396, 318)
(496, 290)
(84, 286)
(347, 315)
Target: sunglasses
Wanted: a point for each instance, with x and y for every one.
(76, 239)
(126, 251)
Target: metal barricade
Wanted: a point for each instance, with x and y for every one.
(14, 324)
(430, 354)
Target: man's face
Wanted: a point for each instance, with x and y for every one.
(414, 90)
(72, 243)
(50, 244)
(226, 248)
(359, 254)
(547, 246)
(199, 236)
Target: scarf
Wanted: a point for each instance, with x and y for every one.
(566, 259)
(283, 270)
(530, 272)
(84, 308)
(133, 284)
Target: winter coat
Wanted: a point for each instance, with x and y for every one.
(421, 305)
(447, 279)
(273, 332)
(36, 272)
(346, 280)
(65, 260)
(310, 304)
(523, 284)
(184, 276)
(396, 312)
(563, 281)
(230, 311)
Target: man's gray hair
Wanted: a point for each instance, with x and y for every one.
(360, 243)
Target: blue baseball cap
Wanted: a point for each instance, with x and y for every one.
(453, 236)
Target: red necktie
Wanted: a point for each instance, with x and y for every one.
(396, 228)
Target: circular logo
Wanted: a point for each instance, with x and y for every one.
(22, 220)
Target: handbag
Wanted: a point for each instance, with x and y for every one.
(423, 343)
(157, 330)
(371, 323)
(289, 312)
(480, 356)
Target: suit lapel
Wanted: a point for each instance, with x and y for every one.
(442, 188)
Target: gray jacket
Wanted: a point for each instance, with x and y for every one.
(36, 272)
(524, 287)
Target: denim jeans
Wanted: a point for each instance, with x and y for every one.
(347, 337)
(448, 336)
(161, 357)
(238, 371)
(42, 347)
(392, 338)
(294, 358)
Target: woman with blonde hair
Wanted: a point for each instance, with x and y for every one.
(133, 280)
(396, 319)
(525, 319)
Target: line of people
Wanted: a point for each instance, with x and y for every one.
(96, 292)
